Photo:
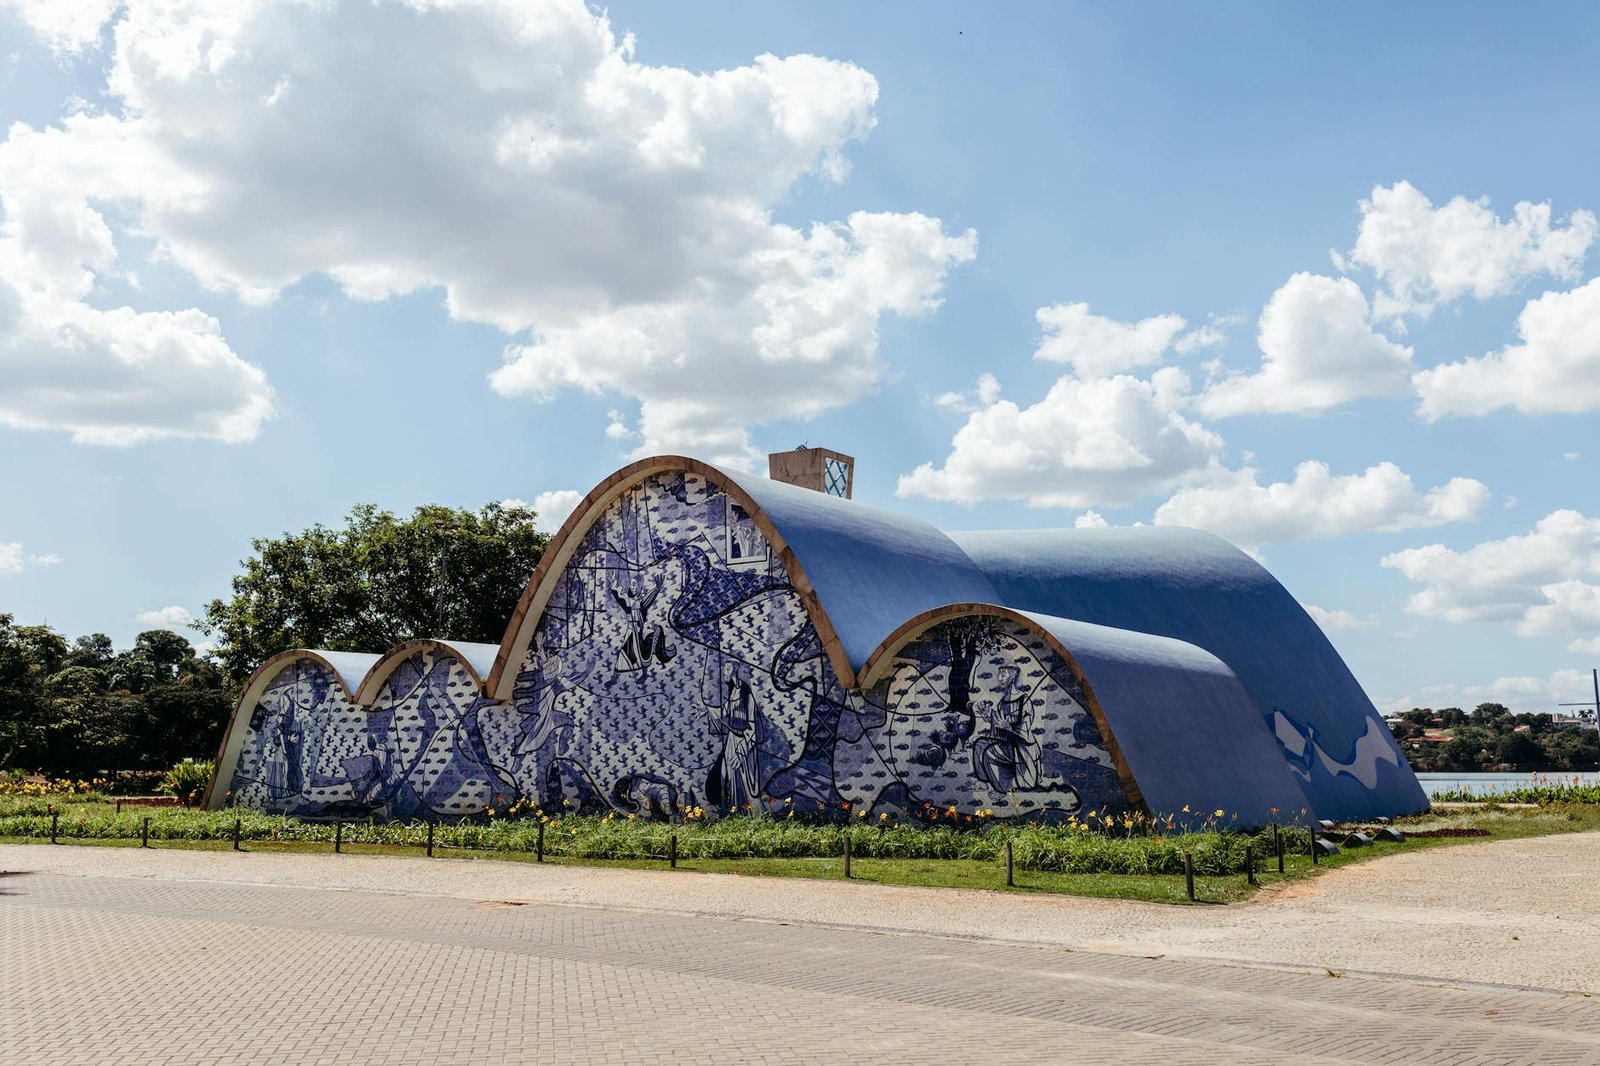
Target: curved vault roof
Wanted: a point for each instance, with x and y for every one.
(1181, 729)
(1198, 588)
(1116, 601)
(360, 674)
(477, 658)
(859, 570)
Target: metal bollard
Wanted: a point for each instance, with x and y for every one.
(847, 856)
(338, 837)
(236, 825)
(430, 840)
(1277, 845)
(144, 833)
(1188, 875)
(538, 848)
(1249, 864)
(1313, 845)
(1010, 880)
(672, 851)
(119, 806)
(55, 817)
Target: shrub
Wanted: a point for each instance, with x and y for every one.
(188, 781)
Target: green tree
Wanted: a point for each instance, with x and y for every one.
(28, 656)
(1573, 748)
(83, 708)
(1491, 714)
(1468, 749)
(92, 650)
(1519, 751)
(377, 581)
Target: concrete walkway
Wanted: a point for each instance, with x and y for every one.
(177, 956)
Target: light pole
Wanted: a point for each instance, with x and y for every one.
(1595, 674)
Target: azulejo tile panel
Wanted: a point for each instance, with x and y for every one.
(675, 665)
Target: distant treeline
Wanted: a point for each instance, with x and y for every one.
(79, 708)
(1492, 739)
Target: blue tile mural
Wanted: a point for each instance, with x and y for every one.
(429, 744)
(675, 666)
(978, 712)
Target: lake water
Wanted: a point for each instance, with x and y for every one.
(1488, 784)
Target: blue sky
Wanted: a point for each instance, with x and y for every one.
(1034, 266)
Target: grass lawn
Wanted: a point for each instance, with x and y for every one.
(1498, 823)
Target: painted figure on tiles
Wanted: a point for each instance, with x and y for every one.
(737, 722)
(644, 642)
(1006, 757)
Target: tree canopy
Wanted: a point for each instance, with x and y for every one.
(80, 708)
(1491, 738)
(375, 582)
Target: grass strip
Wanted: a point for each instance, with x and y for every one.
(1049, 859)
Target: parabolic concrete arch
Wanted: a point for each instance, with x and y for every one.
(1177, 725)
(411, 734)
(341, 671)
(698, 637)
(1198, 588)
(859, 570)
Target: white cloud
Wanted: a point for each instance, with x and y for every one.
(1586, 647)
(1207, 336)
(984, 393)
(614, 218)
(1100, 347)
(120, 377)
(1425, 256)
(108, 376)
(165, 618)
(1524, 694)
(1087, 443)
(1336, 620)
(1571, 606)
(1318, 503)
(1571, 456)
(617, 427)
(13, 560)
(1318, 350)
(1090, 520)
(553, 507)
(1556, 368)
(69, 27)
(1533, 578)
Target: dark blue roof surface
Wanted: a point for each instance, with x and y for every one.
(1187, 728)
(1197, 588)
(872, 569)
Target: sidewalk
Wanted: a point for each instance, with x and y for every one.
(1513, 912)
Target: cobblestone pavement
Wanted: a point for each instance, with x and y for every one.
(125, 969)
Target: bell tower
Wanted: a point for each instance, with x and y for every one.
(819, 469)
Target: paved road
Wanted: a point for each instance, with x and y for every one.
(164, 967)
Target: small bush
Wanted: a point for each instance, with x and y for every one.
(188, 781)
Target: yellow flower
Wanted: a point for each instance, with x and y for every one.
(1218, 812)
(1185, 808)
